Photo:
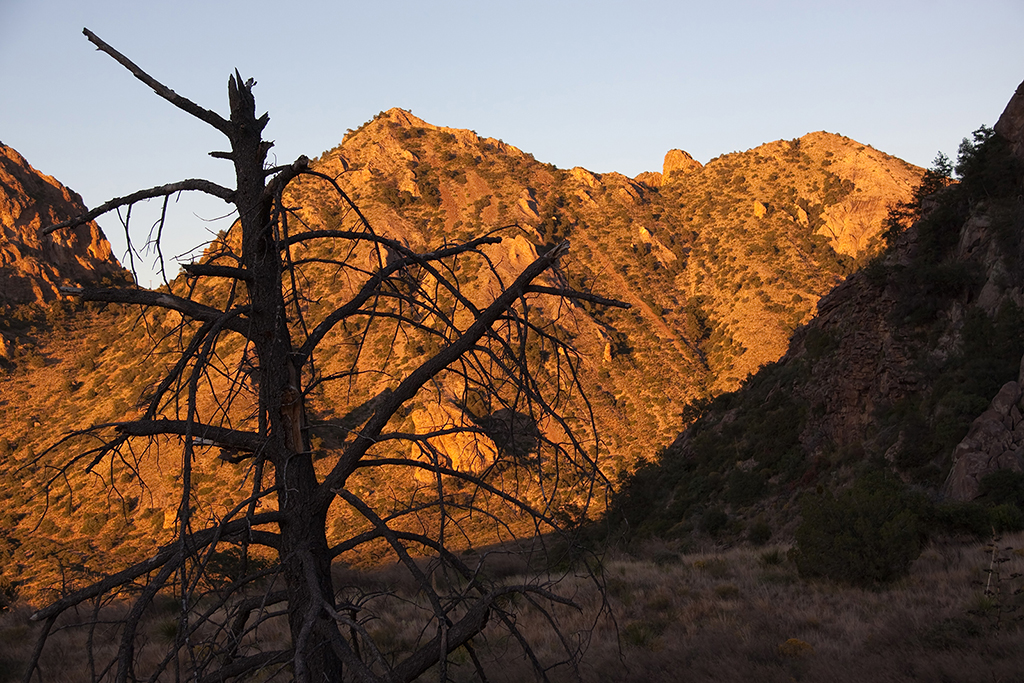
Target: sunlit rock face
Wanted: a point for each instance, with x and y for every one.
(32, 267)
(678, 163)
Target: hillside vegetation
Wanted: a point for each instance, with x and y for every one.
(911, 366)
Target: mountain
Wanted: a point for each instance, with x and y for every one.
(912, 364)
(32, 266)
(720, 262)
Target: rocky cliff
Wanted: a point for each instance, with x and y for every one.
(32, 267)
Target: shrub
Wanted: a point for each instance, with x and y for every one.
(642, 634)
(1006, 517)
(1003, 487)
(868, 534)
(713, 521)
(759, 533)
(8, 593)
(971, 518)
(744, 487)
(94, 521)
(795, 647)
(727, 591)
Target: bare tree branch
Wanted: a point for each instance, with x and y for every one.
(211, 435)
(146, 297)
(170, 554)
(197, 185)
(421, 375)
(160, 89)
(582, 296)
(210, 270)
(245, 665)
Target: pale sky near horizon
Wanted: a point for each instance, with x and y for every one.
(610, 86)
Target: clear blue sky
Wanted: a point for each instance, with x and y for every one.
(610, 86)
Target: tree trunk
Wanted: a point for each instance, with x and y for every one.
(304, 552)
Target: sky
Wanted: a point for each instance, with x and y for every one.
(610, 86)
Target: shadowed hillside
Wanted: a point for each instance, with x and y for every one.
(911, 365)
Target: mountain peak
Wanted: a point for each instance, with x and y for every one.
(678, 163)
(404, 117)
(32, 267)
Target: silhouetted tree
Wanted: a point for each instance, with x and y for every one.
(902, 215)
(250, 285)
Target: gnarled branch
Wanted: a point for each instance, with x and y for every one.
(192, 184)
(148, 297)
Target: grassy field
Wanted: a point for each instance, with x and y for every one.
(717, 615)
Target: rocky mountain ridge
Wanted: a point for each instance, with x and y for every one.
(720, 262)
(911, 364)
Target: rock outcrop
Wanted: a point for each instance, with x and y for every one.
(33, 267)
(458, 443)
(1011, 123)
(649, 178)
(677, 164)
(995, 442)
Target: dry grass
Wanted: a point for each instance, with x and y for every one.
(738, 614)
(744, 614)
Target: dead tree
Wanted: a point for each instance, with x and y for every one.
(257, 410)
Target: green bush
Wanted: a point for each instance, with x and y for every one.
(759, 533)
(713, 521)
(1006, 518)
(971, 518)
(868, 534)
(1003, 487)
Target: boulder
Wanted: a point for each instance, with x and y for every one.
(458, 443)
(964, 482)
(1007, 398)
(649, 178)
(991, 444)
(584, 176)
(1011, 122)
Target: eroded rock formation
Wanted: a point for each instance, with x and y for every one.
(32, 267)
(995, 442)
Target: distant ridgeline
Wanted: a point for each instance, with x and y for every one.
(720, 262)
(912, 366)
(32, 266)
